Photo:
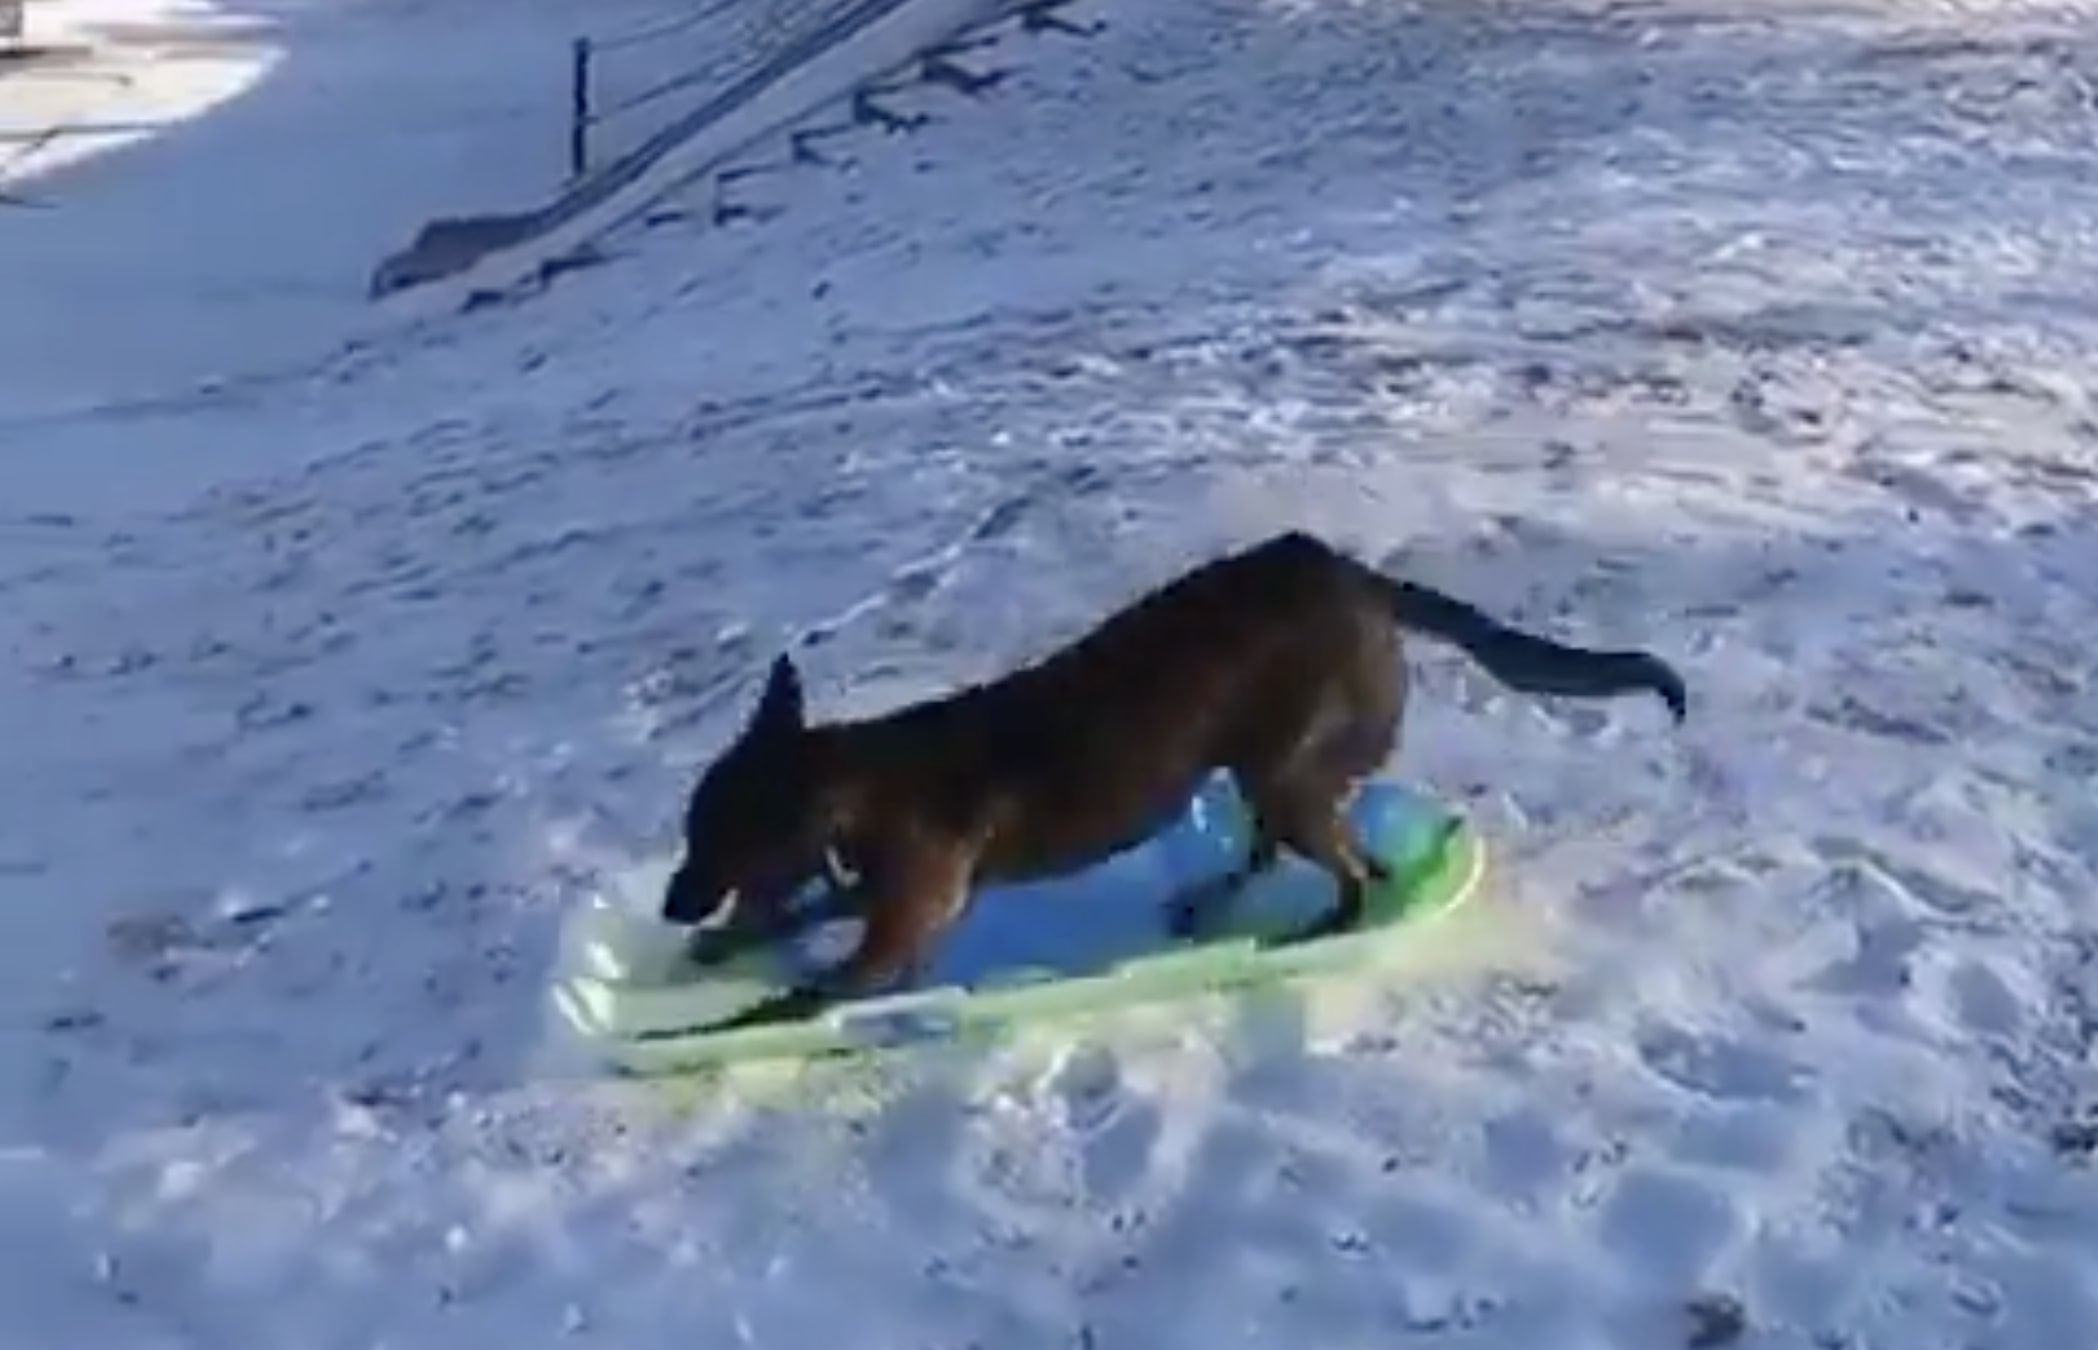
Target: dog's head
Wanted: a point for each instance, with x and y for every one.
(753, 826)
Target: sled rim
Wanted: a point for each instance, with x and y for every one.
(1443, 881)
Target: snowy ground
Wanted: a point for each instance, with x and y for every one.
(237, 244)
(1757, 333)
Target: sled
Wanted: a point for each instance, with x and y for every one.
(1092, 942)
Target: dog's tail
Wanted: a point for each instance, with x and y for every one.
(1530, 664)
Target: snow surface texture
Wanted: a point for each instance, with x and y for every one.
(1758, 333)
(239, 243)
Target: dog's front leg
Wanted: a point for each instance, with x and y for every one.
(907, 911)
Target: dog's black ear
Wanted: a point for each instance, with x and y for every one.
(780, 707)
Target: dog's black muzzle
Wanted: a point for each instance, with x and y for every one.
(690, 899)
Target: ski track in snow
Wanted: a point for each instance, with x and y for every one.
(1759, 335)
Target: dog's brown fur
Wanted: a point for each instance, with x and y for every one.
(1281, 663)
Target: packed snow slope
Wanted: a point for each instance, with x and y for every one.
(209, 184)
(1758, 333)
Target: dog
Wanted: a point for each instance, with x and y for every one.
(1281, 663)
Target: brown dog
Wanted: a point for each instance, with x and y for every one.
(1281, 663)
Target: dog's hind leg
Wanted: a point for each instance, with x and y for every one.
(1317, 828)
(1306, 802)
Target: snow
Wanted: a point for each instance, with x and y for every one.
(1755, 333)
(339, 126)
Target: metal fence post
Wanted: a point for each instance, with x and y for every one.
(578, 107)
